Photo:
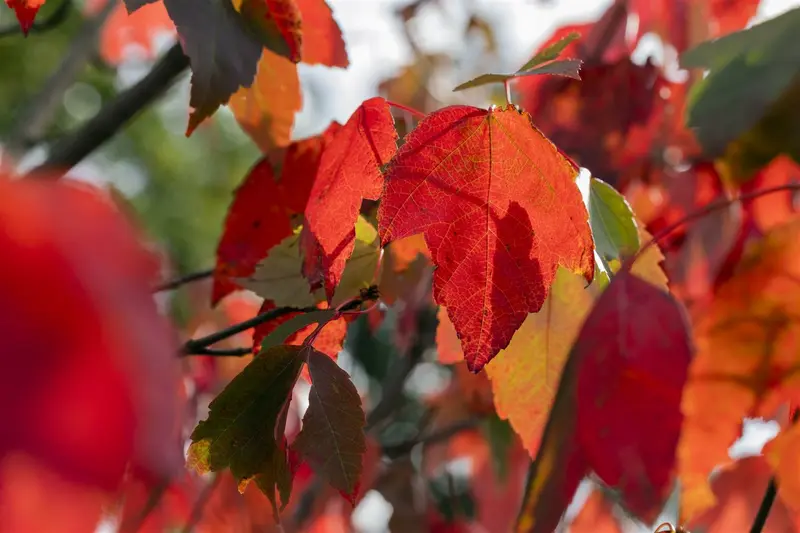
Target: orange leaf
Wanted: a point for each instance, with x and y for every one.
(26, 12)
(123, 31)
(782, 455)
(526, 374)
(773, 209)
(747, 341)
(266, 109)
(322, 38)
(500, 210)
(260, 216)
(739, 489)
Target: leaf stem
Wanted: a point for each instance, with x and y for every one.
(411, 110)
(507, 87)
(183, 280)
(707, 210)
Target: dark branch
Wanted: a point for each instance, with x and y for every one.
(440, 435)
(71, 149)
(223, 352)
(765, 507)
(40, 26)
(199, 346)
(183, 280)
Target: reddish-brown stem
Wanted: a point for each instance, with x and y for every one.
(707, 210)
(507, 87)
(411, 110)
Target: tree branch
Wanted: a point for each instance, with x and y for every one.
(183, 280)
(40, 26)
(200, 346)
(70, 150)
(396, 451)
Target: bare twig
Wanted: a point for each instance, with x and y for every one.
(765, 507)
(200, 504)
(225, 352)
(440, 435)
(200, 346)
(42, 109)
(183, 280)
(40, 26)
(71, 149)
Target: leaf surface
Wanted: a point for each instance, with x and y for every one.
(551, 51)
(322, 38)
(747, 341)
(332, 439)
(596, 516)
(569, 68)
(629, 363)
(526, 374)
(499, 209)
(613, 226)
(266, 109)
(25, 10)
(246, 421)
(124, 32)
(349, 172)
(263, 207)
(279, 278)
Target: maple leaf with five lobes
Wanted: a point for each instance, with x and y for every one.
(500, 211)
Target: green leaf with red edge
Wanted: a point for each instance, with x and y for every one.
(245, 427)
(263, 208)
(332, 439)
(25, 10)
(500, 211)
(617, 409)
(350, 171)
(322, 37)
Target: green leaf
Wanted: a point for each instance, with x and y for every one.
(278, 277)
(565, 67)
(332, 439)
(551, 52)
(613, 225)
(294, 324)
(244, 419)
(750, 70)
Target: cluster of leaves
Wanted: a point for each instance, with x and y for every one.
(605, 363)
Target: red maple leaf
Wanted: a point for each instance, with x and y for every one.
(350, 170)
(322, 37)
(499, 209)
(262, 210)
(26, 12)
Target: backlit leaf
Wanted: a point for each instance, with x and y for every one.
(277, 23)
(526, 374)
(124, 32)
(247, 417)
(350, 171)
(266, 109)
(261, 214)
(613, 226)
(278, 277)
(499, 209)
(566, 67)
(332, 439)
(629, 363)
(596, 516)
(550, 51)
(747, 345)
(322, 37)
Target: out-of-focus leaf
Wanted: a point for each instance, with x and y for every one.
(596, 516)
(629, 363)
(25, 10)
(332, 439)
(266, 109)
(322, 37)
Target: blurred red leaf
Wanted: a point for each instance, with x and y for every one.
(596, 516)
(500, 211)
(628, 364)
(124, 30)
(777, 208)
(262, 210)
(322, 38)
(84, 344)
(25, 10)
(350, 170)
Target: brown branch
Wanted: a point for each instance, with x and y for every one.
(183, 280)
(70, 150)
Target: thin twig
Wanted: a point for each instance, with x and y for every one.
(43, 108)
(199, 346)
(152, 503)
(40, 26)
(707, 210)
(224, 352)
(440, 435)
(765, 507)
(183, 280)
(71, 149)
